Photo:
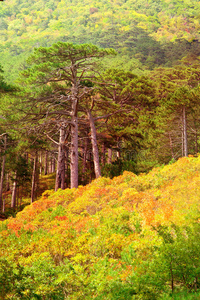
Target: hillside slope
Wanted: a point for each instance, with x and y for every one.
(22, 19)
(145, 29)
(132, 237)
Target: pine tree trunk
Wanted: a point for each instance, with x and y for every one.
(46, 163)
(34, 177)
(2, 173)
(74, 153)
(60, 172)
(74, 139)
(90, 166)
(85, 153)
(185, 141)
(53, 166)
(14, 192)
(41, 162)
(95, 150)
(109, 156)
(66, 167)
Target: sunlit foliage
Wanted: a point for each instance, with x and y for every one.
(130, 237)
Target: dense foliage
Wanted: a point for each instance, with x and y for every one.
(144, 32)
(130, 237)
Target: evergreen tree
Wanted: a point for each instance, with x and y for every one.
(61, 71)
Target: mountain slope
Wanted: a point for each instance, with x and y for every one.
(108, 240)
(143, 29)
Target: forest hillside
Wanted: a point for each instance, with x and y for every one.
(130, 237)
(145, 33)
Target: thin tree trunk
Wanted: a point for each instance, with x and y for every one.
(66, 166)
(34, 177)
(14, 192)
(109, 156)
(46, 163)
(182, 148)
(90, 166)
(60, 172)
(4, 205)
(2, 172)
(41, 162)
(85, 151)
(185, 141)
(74, 139)
(95, 150)
(53, 166)
(74, 153)
(50, 165)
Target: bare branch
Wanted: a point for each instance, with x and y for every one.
(50, 138)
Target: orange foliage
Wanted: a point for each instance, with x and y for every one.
(107, 218)
(15, 225)
(61, 218)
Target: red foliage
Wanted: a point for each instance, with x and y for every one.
(61, 218)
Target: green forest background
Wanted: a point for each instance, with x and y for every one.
(146, 34)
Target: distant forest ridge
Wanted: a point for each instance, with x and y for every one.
(152, 33)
